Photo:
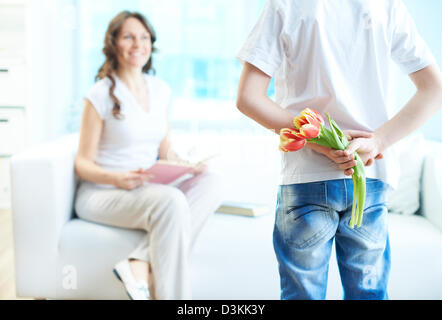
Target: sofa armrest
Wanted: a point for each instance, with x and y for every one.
(42, 191)
(432, 184)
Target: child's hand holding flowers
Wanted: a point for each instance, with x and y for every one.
(309, 127)
(345, 158)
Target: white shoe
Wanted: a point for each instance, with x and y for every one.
(137, 290)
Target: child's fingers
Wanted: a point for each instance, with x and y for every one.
(341, 153)
(358, 134)
(348, 165)
(354, 145)
(340, 160)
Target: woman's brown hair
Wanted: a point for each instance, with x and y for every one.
(110, 51)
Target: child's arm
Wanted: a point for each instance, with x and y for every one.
(253, 101)
(423, 105)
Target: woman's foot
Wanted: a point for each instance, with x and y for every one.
(142, 270)
(137, 289)
(139, 269)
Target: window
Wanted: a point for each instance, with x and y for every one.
(197, 40)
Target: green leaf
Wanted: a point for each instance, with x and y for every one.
(341, 135)
(335, 134)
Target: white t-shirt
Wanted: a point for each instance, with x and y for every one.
(334, 56)
(132, 142)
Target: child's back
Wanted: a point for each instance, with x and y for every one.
(334, 56)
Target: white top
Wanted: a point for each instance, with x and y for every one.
(132, 142)
(334, 56)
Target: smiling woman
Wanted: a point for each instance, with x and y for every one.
(128, 46)
(134, 43)
(125, 129)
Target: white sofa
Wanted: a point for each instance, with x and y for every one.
(59, 256)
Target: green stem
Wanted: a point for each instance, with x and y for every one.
(353, 208)
(359, 172)
(361, 202)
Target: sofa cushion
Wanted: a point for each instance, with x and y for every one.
(410, 153)
(87, 253)
(416, 258)
(432, 186)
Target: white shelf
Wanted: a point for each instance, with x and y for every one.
(13, 2)
(12, 126)
(14, 83)
(12, 29)
(12, 107)
(5, 184)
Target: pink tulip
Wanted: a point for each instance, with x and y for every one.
(308, 123)
(291, 140)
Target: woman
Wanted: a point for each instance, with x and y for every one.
(125, 129)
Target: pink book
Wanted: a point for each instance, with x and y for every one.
(166, 172)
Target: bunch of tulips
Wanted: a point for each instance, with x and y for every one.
(309, 127)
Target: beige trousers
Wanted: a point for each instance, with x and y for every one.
(172, 216)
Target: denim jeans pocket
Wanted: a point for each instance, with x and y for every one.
(374, 223)
(304, 226)
(376, 187)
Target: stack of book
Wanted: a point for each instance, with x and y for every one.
(244, 209)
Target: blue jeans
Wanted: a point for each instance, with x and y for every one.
(309, 216)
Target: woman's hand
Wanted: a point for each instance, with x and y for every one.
(345, 159)
(132, 179)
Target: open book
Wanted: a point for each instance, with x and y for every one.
(172, 172)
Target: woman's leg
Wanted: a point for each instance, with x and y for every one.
(204, 194)
(164, 213)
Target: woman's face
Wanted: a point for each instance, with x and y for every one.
(134, 44)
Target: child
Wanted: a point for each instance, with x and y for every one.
(334, 56)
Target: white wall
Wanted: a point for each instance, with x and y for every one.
(427, 17)
(50, 59)
(52, 52)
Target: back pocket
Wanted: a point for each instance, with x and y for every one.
(305, 225)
